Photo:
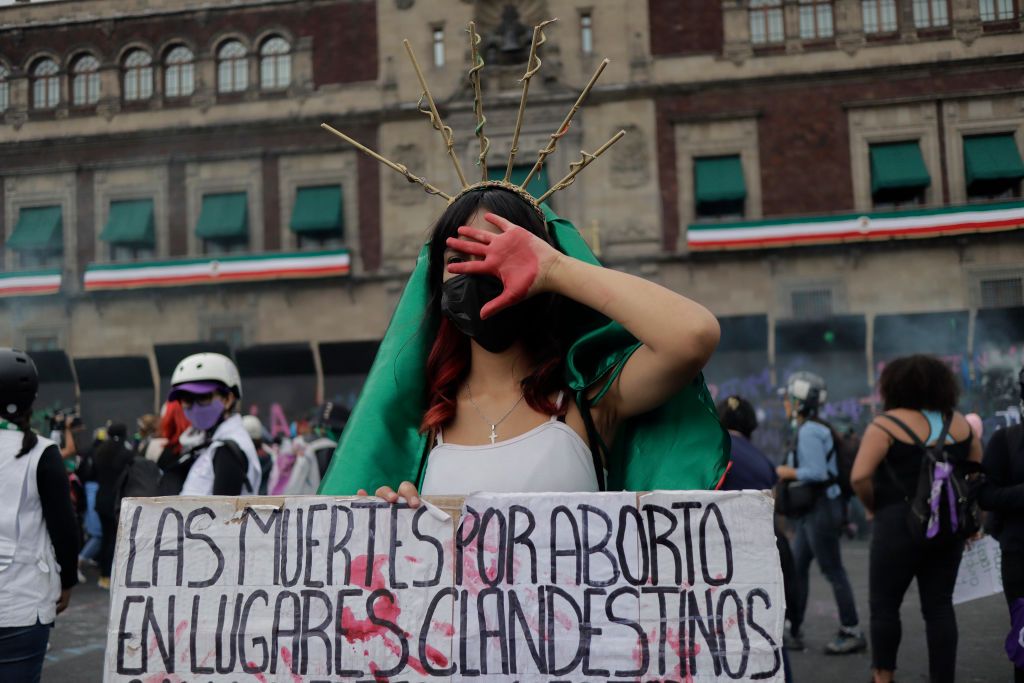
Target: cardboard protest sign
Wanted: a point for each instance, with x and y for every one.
(979, 575)
(670, 586)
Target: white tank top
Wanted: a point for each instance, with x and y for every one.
(29, 575)
(551, 457)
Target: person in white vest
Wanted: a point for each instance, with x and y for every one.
(39, 538)
(210, 391)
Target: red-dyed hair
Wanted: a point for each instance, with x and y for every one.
(448, 361)
(173, 424)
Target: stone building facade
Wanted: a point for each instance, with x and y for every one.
(838, 180)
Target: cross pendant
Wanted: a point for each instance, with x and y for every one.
(494, 434)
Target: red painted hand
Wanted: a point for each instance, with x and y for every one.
(517, 257)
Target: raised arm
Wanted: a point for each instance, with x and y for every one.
(678, 335)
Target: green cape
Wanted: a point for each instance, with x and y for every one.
(680, 445)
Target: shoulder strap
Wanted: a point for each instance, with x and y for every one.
(598, 449)
(243, 459)
(909, 432)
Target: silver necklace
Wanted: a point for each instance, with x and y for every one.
(494, 425)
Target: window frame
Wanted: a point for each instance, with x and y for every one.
(5, 88)
(995, 6)
(437, 49)
(586, 32)
(278, 64)
(930, 6)
(47, 83)
(815, 8)
(882, 9)
(85, 83)
(998, 278)
(234, 66)
(176, 71)
(137, 77)
(769, 15)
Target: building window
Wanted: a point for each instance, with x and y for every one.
(815, 19)
(275, 64)
(899, 176)
(996, 10)
(879, 16)
(138, 75)
(45, 84)
(85, 81)
(42, 342)
(993, 167)
(586, 33)
(931, 13)
(811, 304)
(766, 25)
(1002, 292)
(720, 190)
(5, 89)
(438, 34)
(232, 335)
(179, 72)
(232, 68)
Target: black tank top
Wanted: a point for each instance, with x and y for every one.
(904, 459)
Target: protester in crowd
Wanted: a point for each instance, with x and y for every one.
(92, 528)
(38, 532)
(295, 471)
(177, 456)
(750, 468)
(110, 460)
(500, 414)
(920, 393)
(254, 428)
(210, 391)
(817, 530)
(326, 431)
(1003, 495)
(148, 429)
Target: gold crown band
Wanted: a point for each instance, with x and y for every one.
(533, 65)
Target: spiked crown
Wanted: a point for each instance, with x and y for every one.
(427, 106)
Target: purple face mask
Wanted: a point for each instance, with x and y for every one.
(205, 417)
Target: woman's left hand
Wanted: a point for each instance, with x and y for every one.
(521, 260)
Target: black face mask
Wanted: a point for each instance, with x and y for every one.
(463, 296)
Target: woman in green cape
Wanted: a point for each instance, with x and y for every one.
(513, 358)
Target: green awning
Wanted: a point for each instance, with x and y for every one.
(38, 228)
(130, 222)
(317, 210)
(719, 179)
(992, 157)
(538, 183)
(898, 166)
(224, 217)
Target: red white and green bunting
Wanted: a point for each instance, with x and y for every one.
(855, 228)
(30, 283)
(214, 270)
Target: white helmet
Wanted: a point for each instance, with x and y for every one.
(808, 390)
(204, 368)
(253, 426)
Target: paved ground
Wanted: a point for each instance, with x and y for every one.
(76, 646)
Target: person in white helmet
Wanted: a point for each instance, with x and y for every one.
(812, 463)
(210, 391)
(38, 529)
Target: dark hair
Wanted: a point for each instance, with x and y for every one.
(448, 361)
(117, 431)
(919, 382)
(738, 414)
(29, 438)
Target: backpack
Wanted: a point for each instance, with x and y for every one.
(953, 492)
(140, 479)
(844, 450)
